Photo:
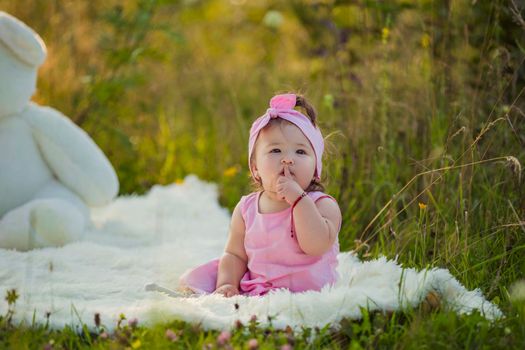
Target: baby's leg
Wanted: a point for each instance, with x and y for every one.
(201, 279)
(185, 290)
(177, 293)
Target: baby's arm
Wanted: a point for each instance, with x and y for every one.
(316, 224)
(232, 265)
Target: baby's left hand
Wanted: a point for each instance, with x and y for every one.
(287, 188)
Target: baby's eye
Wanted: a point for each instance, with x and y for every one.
(275, 150)
(301, 151)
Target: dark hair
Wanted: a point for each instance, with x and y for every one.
(300, 101)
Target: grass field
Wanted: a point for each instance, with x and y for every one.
(422, 104)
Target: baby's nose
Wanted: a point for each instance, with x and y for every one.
(286, 161)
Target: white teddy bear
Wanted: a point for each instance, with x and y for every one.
(50, 169)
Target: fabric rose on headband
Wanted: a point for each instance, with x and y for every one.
(285, 101)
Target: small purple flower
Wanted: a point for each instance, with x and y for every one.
(253, 319)
(104, 335)
(286, 347)
(253, 344)
(224, 337)
(171, 335)
(133, 322)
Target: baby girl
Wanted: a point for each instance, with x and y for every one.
(285, 234)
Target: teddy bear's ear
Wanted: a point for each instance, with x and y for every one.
(22, 41)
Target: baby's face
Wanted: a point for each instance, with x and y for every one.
(279, 144)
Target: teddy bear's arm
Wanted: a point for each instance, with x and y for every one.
(72, 155)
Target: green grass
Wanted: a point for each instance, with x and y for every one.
(420, 328)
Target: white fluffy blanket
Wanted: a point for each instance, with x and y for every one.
(155, 237)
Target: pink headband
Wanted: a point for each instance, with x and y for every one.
(281, 106)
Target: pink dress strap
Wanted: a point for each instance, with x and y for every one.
(246, 202)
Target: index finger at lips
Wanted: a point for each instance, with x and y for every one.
(287, 172)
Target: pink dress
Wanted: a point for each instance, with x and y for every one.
(275, 259)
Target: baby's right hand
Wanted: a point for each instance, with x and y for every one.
(228, 290)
